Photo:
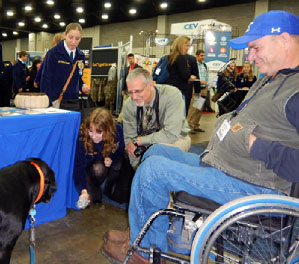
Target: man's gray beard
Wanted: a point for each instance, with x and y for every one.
(142, 104)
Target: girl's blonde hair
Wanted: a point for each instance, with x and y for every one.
(102, 120)
(177, 48)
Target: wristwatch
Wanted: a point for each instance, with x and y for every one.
(135, 141)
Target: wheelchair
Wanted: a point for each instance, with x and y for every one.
(252, 229)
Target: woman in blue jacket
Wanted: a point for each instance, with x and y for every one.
(99, 152)
(58, 66)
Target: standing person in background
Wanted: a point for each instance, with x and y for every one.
(32, 74)
(56, 39)
(60, 62)
(132, 65)
(244, 81)
(99, 150)
(195, 114)
(20, 72)
(178, 66)
(193, 84)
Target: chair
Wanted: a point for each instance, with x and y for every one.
(252, 229)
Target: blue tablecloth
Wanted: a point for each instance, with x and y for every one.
(51, 137)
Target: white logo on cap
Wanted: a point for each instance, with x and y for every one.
(249, 26)
(275, 30)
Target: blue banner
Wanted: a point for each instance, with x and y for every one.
(216, 46)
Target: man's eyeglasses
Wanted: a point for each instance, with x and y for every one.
(136, 92)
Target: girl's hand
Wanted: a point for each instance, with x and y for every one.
(107, 162)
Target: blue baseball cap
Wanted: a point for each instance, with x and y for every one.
(271, 23)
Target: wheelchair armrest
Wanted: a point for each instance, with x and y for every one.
(193, 201)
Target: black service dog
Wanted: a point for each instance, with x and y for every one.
(19, 188)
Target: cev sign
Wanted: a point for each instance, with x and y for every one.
(191, 26)
(195, 29)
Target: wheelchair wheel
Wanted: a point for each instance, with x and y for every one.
(252, 229)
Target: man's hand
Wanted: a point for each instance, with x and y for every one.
(131, 148)
(252, 138)
(203, 82)
(20, 90)
(122, 92)
(107, 162)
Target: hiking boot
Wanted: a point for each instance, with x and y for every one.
(117, 236)
(117, 252)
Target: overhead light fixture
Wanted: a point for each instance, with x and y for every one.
(62, 24)
(105, 16)
(163, 5)
(80, 9)
(201, 1)
(44, 26)
(50, 2)
(21, 24)
(132, 11)
(57, 16)
(107, 5)
(37, 19)
(9, 13)
(15, 33)
(28, 8)
(4, 34)
(82, 20)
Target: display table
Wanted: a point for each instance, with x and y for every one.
(52, 138)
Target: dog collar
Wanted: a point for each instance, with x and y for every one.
(42, 181)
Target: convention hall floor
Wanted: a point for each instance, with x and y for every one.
(78, 237)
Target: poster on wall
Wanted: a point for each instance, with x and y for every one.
(216, 48)
(102, 60)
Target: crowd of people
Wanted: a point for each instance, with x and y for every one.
(258, 127)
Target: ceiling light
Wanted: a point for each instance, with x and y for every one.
(57, 16)
(4, 34)
(79, 10)
(21, 24)
(81, 20)
(37, 19)
(9, 13)
(44, 26)
(15, 33)
(105, 16)
(201, 1)
(107, 5)
(62, 24)
(163, 5)
(28, 8)
(50, 2)
(132, 11)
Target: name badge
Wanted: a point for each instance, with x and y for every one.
(223, 130)
(80, 66)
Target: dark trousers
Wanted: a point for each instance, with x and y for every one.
(70, 104)
(96, 174)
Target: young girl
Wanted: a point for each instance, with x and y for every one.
(99, 151)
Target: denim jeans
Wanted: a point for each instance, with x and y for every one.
(165, 169)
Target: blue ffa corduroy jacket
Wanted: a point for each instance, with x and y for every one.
(19, 72)
(56, 69)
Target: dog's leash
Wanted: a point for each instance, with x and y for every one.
(32, 213)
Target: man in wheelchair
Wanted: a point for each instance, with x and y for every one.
(253, 150)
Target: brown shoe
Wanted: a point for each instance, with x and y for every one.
(199, 130)
(117, 236)
(117, 252)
